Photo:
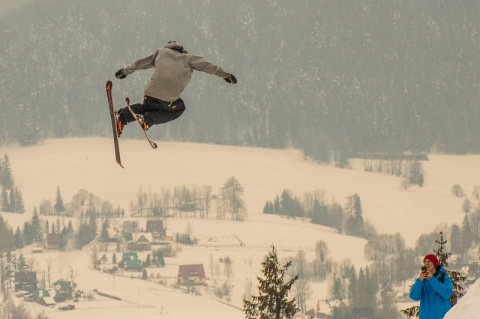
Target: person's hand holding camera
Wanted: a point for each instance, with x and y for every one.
(424, 274)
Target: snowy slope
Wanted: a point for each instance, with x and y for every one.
(77, 163)
(89, 164)
(467, 307)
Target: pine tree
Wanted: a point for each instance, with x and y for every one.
(336, 292)
(6, 177)
(19, 206)
(354, 219)
(467, 236)
(59, 207)
(272, 301)
(22, 264)
(7, 240)
(37, 229)
(104, 234)
(5, 201)
(27, 233)
(456, 277)
(18, 239)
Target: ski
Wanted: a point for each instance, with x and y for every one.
(135, 116)
(114, 123)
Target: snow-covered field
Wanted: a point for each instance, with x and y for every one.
(88, 163)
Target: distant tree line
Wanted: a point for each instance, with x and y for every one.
(347, 219)
(82, 202)
(193, 201)
(463, 240)
(411, 171)
(328, 78)
(36, 231)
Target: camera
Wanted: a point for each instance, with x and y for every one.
(424, 268)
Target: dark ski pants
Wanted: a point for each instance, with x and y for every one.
(154, 111)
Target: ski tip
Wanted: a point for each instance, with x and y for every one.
(109, 85)
(127, 100)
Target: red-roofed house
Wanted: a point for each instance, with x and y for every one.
(191, 275)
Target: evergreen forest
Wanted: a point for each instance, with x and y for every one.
(327, 77)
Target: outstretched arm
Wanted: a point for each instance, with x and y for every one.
(199, 63)
(142, 64)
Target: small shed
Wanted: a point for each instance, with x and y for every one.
(53, 241)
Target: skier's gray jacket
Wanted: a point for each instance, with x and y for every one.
(173, 71)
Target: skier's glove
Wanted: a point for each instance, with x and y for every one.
(230, 78)
(120, 74)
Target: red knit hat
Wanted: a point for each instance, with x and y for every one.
(432, 258)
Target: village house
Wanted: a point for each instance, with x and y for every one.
(37, 249)
(140, 242)
(155, 227)
(26, 281)
(53, 241)
(44, 297)
(191, 275)
(130, 227)
(63, 290)
(130, 261)
(325, 307)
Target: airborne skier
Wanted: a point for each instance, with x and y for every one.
(173, 70)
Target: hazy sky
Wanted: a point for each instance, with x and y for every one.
(6, 6)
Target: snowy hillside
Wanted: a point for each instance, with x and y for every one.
(74, 164)
(467, 307)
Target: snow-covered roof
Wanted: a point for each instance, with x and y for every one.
(136, 237)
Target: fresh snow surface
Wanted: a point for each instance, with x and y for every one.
(88, 163)
(468, 306)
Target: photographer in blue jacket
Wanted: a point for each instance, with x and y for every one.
(433, 288)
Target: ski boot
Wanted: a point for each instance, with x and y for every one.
(119, 124)
(141, 121)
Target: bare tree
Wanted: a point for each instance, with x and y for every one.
(32, 264)
(49, 262)
(301, 287)
(207, 195)
(248, 292)
(232, 192)
(321, 250)
(228, 268)
(476, 191)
